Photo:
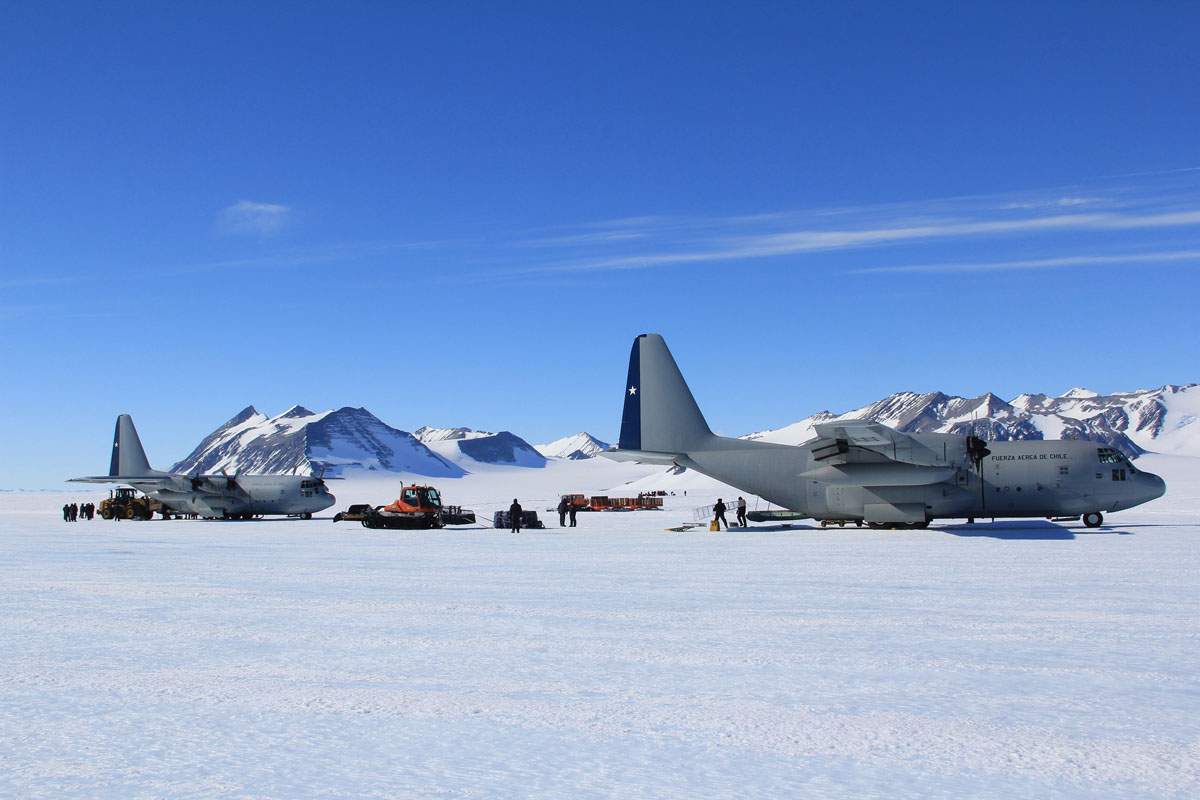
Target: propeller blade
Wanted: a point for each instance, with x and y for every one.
(977, 449)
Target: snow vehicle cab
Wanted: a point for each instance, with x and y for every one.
(417, 507)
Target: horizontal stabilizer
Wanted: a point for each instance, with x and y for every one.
(641, 456)
(158, 476)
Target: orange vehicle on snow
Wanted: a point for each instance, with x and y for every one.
(417, 508)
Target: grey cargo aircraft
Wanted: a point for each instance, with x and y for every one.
(866, 472)
(211, 496)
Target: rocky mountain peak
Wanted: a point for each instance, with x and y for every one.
(580, 446)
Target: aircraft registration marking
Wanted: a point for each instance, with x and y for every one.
(1032, 457)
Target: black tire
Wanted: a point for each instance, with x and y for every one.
(1093, 519)
(306, 515)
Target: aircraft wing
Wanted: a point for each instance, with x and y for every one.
(859, 440)
(158, 483)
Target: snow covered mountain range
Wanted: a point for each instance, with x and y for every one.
(306, 442)
(465, 447)
(1159, 420)
(301, 441)
(581, 445)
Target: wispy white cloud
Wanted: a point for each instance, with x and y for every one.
(254, 219)
(1057, 202)
(1040, 263)
(815, 240)
(800, 241)
(596, 237)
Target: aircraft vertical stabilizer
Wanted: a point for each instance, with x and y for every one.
(660, 413)
(128, 457)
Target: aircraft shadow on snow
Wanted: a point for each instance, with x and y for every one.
(1029, 530)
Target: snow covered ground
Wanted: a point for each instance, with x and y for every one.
(282, 658)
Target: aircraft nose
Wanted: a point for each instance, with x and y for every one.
(1152, 487)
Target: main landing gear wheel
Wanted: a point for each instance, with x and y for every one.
(1093, 520)
(306, 515)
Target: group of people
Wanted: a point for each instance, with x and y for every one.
(719, 513)
(73, 511)
(565, 508)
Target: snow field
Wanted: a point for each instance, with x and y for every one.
(305, 659)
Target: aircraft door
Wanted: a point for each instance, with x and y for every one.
(816, 498)
(836, 500)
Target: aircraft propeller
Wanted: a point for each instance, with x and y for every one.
(231, 482)
(977, 449)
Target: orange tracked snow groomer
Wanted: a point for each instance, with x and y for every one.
(417, 507)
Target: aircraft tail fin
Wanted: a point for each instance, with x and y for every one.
(128, 457)
(660, 414)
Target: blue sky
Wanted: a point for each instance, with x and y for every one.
(461, 214)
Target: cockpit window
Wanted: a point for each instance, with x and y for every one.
(1110, 456)
(431, 498)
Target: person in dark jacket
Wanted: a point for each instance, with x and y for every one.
(514, 516)
(562, 512)
(719, 514)
(573, 510)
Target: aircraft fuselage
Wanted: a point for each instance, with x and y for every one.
(244, 496)
(1014, 479)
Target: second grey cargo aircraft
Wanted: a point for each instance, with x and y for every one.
(212, 496)
(867, 472)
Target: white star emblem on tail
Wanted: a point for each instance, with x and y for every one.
(632, 390)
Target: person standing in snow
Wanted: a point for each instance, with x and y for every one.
(573, 510)
(562, 512)
(514, 516)
(741, 512)
(66, 512)
(719, 514)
